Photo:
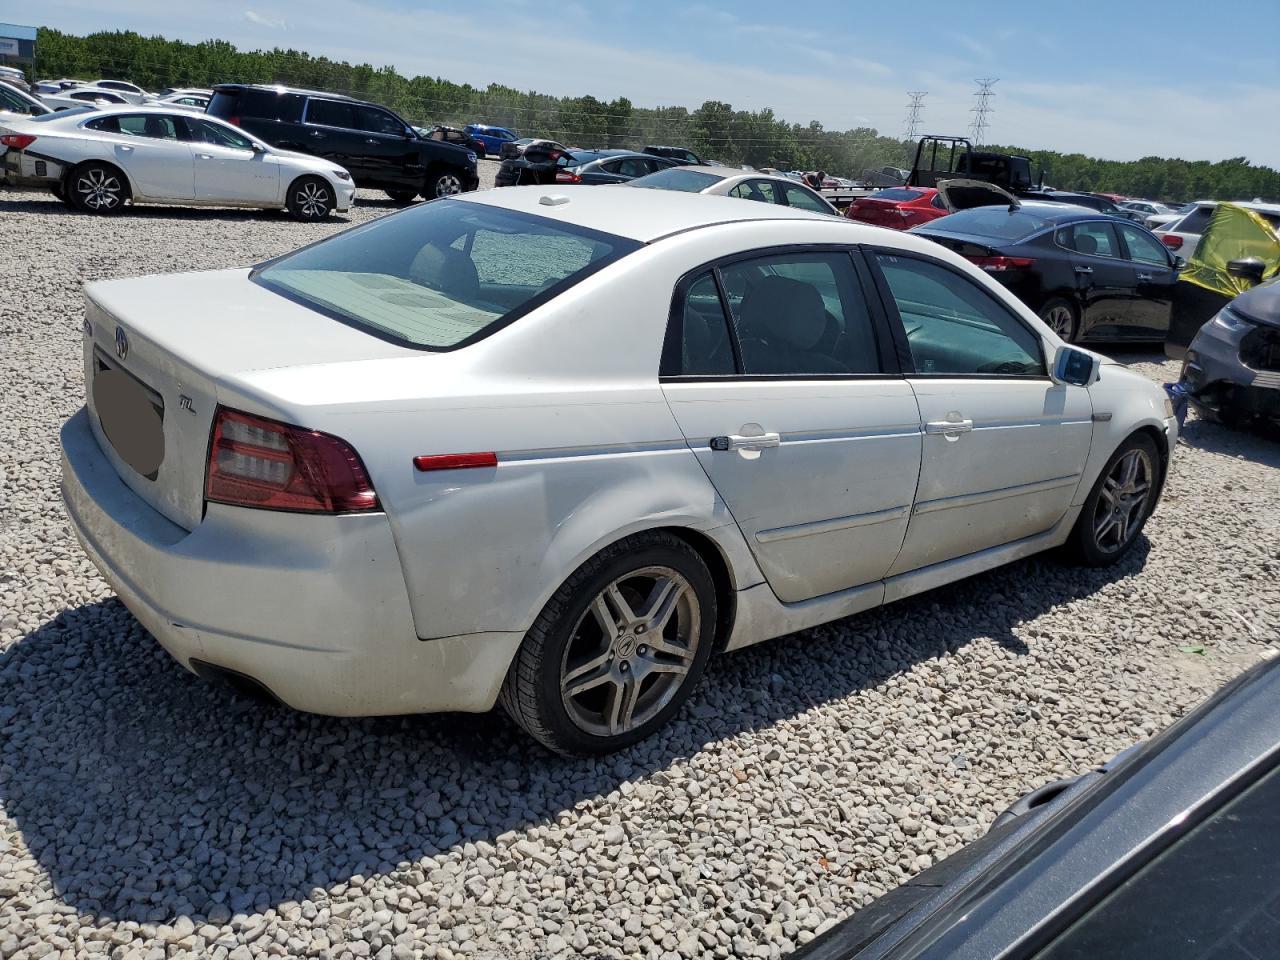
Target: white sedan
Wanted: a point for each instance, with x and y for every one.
(733, 182)
(99, 160)
(557, 449)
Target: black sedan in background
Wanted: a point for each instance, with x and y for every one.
(539, 165)
(1087, 275)
(1170, 851)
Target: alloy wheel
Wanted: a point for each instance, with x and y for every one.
(448, 185)
(312, 200)
(1122, 501)
(631, 651)
(1060, 321)
(99, 189)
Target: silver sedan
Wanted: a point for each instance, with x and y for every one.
(744, 184)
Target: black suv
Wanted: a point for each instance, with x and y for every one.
(678, 154)
(377, 148)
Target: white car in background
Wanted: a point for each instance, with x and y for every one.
(1182, 235)
(16, 103)
(131, 92)
(74, 97)
(730, 182)
(99, 160)
(195, 100)
(1147, 208)
(510, 446)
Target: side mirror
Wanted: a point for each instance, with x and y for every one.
(1249, 269)
(1179, 262)
(257, 147)
(1076, 367)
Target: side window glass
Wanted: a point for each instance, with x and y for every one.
(955, 327)
(705, 349)
(149, 125)
(105, 125)
(332, 113)
(204, 132)
(378, 121)
(802, 199)
(1094, 238)
(1143, 247)
(800, 313)
(633, 167)
(760, 190)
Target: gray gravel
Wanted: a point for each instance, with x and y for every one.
(145, 814)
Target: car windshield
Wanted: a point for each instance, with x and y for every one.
(998, 222)
(443, 274)
(677, 178)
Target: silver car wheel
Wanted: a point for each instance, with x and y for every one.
(631, 651)
(312, 200)
(1122, 501)
(1060, 320)
(447, 185)
(99, 189)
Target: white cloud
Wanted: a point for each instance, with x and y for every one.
(266, 20)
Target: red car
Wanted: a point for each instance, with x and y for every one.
(898, 207)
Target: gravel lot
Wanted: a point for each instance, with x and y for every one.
(145, 814)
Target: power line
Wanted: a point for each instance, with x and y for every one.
(978, 128)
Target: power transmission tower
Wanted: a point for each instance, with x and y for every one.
(978, 129)
(914, 109)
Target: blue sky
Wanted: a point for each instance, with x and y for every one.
(1116, 79)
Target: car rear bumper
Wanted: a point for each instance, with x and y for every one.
(24, 170)
(313, 608)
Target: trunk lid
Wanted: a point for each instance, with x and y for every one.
(157, 351)
(961, 194)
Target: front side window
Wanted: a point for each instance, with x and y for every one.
(954, 327)
(1142, 246)
(802, 199)
(378, 121)
(442, 274)
(800, 314)
(202, 131)
(332, 113)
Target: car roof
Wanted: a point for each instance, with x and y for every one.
(642, 215)
(280, 88)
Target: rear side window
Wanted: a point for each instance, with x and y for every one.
(332, 113)
(953, 326)
(258, 104)
(443, 274)
(1093, 238)
(705, 348)
(764, 191)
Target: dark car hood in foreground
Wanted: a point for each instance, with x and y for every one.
(1261, 304)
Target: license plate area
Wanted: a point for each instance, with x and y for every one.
(131, 415)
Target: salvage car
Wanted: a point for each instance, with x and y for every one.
(99, 161)
(744, 184)
(1086, 275)
(595, 167)
(1169, 850)
(555, 448)
(898, 208)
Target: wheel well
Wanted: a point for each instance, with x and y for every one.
(1162, 453)
(128, 184)
(726, 596)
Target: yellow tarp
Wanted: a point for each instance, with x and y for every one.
(1232, 234)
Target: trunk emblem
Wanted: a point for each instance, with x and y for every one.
(185, 403)
(122, 343)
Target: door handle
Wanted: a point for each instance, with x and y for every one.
(948, 428)
(1144, 276)
(316, 133)
(734, 442)
(370, 140)
(205, 156)
(1084, 269)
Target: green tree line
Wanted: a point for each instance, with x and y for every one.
(715, 129)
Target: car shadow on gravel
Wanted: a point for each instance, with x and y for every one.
(56, 208)
(145, 793)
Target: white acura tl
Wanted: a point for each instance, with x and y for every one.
(99, 160)
(556, 449)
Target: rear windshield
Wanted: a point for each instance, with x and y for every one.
(899, 194)
(61, 114)
(997, 222)
(443, 274)
(677, 178)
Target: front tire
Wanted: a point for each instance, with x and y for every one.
(310, 199)
(446, 183)
(98, 188)
(1119, 503)
(617, 649)
(1062, 318)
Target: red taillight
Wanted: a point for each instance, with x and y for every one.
(455, 461)
(1001, 264)
(567, 176)
(256, 462)
(1171, 240)
(18, 141)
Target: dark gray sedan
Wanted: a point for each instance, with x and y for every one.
(1170, 851)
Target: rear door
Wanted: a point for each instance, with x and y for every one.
(1004, 446)
(1105, 283)
(227, 167)
(797, 413)
(1154, 277)
(152, 150)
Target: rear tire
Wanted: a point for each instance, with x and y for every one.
(310, 199)
(445, 183)
(97, 187)
(1119, 504)
(403, 196)
(1062, 318)
(617, 649)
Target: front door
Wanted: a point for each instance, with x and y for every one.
(1154, 276)
(1104, 279)
(809, 435)
(227, 167)
(330, 133)
(1004, 446)
(151, 151)
(391, 148)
